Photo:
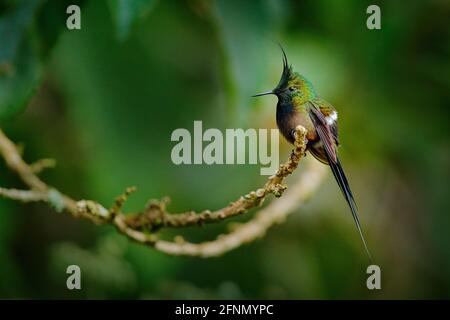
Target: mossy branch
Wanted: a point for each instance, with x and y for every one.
(142, 226)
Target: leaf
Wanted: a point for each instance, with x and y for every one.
(127, 12)
(50, 22)
(19, 67)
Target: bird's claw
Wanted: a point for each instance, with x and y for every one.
(292, 153)
(294, 134)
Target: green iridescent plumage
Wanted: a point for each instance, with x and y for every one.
(298, 104)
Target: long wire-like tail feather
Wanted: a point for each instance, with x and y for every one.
(329, 147)
(341, 179)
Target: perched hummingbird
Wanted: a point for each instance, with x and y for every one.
(298, 104)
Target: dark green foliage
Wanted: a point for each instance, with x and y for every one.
(107, 97)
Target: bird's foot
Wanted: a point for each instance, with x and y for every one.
(294, 134)
(294, 156)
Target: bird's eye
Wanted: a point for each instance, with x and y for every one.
(292, 89)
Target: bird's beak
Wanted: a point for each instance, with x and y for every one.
(264, 93)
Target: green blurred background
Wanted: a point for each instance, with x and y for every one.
(104, 100)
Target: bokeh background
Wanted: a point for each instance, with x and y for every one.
(104, 100)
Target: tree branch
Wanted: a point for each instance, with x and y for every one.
(23, 195)
(141, 226)
(275, 213)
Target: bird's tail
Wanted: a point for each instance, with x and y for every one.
(341, 179)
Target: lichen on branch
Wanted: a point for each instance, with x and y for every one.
(143, 226)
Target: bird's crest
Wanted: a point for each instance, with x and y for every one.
(290, 78)
(287, 74)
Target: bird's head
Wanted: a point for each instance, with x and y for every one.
(292, 85)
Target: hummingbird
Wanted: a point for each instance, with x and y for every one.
(299, 104)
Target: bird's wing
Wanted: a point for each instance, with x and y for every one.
(330, 116)
(325, 132)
